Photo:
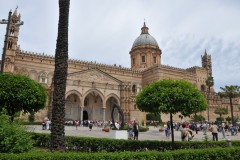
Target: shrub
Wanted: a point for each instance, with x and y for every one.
(198, 154)
(220, 119)
(13, 137)
(84, 144)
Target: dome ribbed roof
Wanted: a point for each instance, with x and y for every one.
(145, 38)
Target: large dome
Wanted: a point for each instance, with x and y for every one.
(145, 38)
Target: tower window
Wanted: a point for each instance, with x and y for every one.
(133, 60)
(10, 44)
(12, 31)
(143, 59)
(154, 59)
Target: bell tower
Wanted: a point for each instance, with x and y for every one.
(12, 41)
(207, 63)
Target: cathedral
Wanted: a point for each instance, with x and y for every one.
(91, 86)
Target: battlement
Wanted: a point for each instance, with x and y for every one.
(35, 55)
(173, 68)
(192, 69)
(78, 62)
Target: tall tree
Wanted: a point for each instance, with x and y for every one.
(170, 97)
(209, 83)
(230, 92)
(20, 93)
(60, 79)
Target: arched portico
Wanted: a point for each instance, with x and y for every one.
(93, 104)
(72, 107)
(108, 108)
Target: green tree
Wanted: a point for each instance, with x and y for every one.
(230, 92)
(20, 93)
(153, 117)
(197, 118)
(209, 83)
(221, 111)
(60, 79)
(170, 97)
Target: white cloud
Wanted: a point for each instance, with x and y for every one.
(104, 31)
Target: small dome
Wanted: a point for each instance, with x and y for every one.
(145, 38)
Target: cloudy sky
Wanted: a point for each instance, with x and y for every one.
(104, 31)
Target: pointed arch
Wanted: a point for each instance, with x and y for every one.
(73, 92)
(114, 96)
(94, 90)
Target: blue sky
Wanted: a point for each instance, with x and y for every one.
(104, 31)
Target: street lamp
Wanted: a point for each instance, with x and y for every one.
(209, 83)
(8, 22)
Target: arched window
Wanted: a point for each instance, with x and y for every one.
(10, 44)
(43, 78)
(203, 88)
(134, 88)
(154, 59)
(143, 59)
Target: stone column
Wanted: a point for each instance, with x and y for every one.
(81, 113)
(104, 116)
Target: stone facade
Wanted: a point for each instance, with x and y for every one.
(92, 86)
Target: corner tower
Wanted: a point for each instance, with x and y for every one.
(12, 39)
(207, 63)
(145, 52)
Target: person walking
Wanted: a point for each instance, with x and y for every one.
(214, 130)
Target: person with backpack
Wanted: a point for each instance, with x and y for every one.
(186, 133)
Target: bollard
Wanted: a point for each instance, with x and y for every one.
(229, 142)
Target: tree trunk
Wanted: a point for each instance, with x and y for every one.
(59, 79)
(171, 121)
(231, 106)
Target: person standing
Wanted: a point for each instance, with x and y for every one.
(204, 128)
(135, 130)
(223, 130)
(165, 129)
(90, 125)
(214, 130)
(76, 124)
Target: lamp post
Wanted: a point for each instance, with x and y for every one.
(209, 83)
(3, 21)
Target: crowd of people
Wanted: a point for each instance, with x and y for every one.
(187, 129)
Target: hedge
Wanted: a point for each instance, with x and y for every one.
(191, 154)
(84, 144)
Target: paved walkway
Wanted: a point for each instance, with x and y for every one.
(152, 134)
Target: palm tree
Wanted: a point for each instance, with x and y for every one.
(60, 78)
(230, 92)
(209, 83)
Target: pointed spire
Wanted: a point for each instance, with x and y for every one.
(144, 28)
(15, 12)
(205, 52)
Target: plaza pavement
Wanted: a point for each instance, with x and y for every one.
(152, 134)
